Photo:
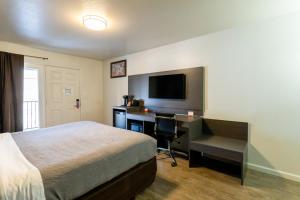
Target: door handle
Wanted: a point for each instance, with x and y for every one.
(77, 103)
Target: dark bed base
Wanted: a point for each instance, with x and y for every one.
(127, 185)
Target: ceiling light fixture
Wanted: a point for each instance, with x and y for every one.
(94, 22)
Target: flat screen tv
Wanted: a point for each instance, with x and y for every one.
(167, 86)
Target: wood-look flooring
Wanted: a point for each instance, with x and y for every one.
(184, 183)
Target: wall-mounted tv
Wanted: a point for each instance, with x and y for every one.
(167, 86)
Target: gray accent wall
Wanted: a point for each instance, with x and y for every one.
(138, 86)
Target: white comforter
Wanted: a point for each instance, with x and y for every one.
(19, 179)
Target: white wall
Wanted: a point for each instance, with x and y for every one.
(91, 87)
(252, 75)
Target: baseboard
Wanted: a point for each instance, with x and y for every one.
(275, 172)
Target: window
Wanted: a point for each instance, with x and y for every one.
(31, 110)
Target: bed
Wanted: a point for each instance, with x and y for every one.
(86, 160)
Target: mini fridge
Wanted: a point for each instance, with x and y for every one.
(119, 119)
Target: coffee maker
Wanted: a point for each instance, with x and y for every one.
(127, 99)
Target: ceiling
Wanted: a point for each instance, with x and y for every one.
(134, 25)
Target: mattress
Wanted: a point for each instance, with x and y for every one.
(77, 157)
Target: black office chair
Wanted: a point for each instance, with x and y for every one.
(166, 129)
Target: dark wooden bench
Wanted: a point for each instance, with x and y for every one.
(222, 140)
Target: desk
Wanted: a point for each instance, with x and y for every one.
(191, 125)
(149, 116)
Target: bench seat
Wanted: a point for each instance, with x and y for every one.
(231, 149)
(224, 140)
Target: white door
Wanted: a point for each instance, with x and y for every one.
(62, 96)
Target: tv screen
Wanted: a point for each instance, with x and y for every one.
(167, 86)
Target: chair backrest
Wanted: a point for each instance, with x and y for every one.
(165, 123)
(231, 129)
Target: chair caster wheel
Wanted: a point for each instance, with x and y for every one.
(173, 164)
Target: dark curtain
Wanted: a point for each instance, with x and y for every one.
(11, 92)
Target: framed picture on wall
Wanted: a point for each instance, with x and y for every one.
(118, 69)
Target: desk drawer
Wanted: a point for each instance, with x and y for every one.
(181, 143)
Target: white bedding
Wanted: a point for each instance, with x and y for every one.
(19, 179)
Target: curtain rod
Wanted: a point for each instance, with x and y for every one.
(44, 58)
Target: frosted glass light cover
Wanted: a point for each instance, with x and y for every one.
(94, 22)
